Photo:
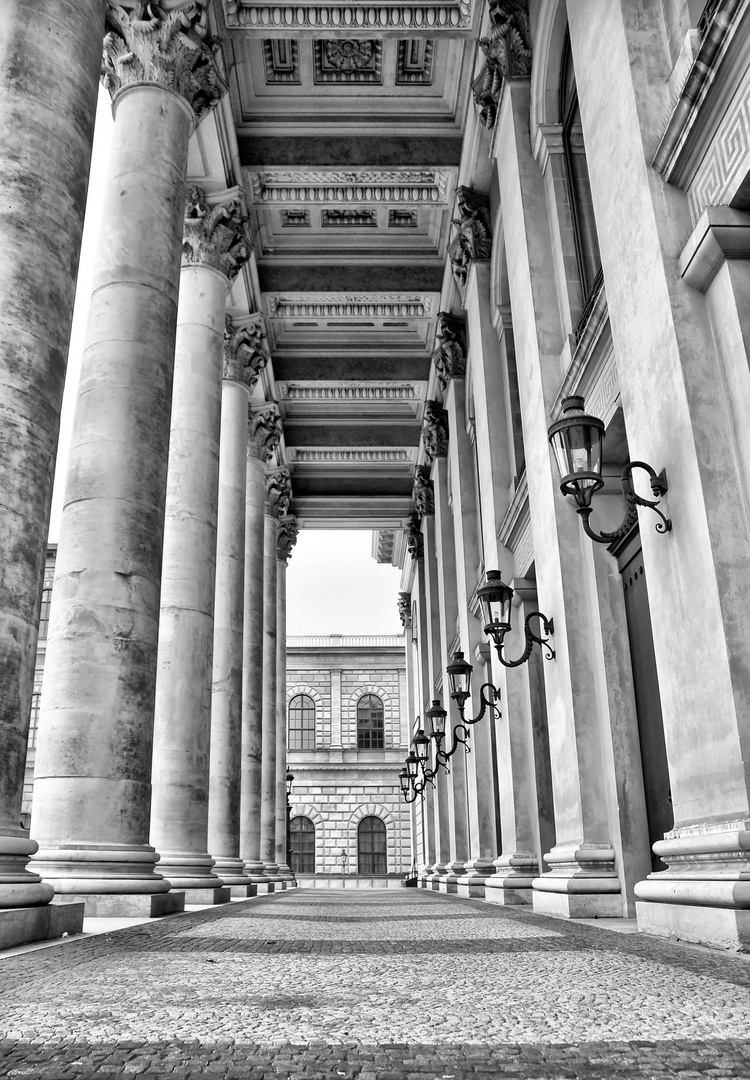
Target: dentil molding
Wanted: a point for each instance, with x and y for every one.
(355, 185)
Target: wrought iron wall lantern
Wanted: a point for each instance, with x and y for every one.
(576, 439)
(496, 599)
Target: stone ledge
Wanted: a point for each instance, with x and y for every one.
(208, 896)
(19, 926)
(129, 905)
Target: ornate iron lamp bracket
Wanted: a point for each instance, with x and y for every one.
(659, 488)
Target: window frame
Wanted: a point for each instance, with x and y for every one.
(372, 863)
(306, 729)
(297, 856)
(369, 735)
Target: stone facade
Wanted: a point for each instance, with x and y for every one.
(336, 783)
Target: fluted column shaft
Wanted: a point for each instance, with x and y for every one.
(226, 709)
(50, 54)
(268, 759)
(179, 806)
(93, 766)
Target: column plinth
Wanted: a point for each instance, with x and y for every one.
(93, 767)
(51, 55)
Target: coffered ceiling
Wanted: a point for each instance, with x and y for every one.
(344, 133)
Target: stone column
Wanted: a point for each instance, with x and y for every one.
(288, 530)
(50, 55)
(92, 789)
(214, 248)
(278, 495)
(415, 541)
(264, 433)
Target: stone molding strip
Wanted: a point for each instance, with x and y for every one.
(252, 15)
(361, 185)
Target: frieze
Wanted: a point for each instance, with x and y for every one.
(473, 238)
(347, 186)
(264, 431)
(167, 44)
(414, 62)
(508, 55)
(352, 305)
(278, 492)
(214, 236)
(281, 56)
(245, 350)
(424, 491)
(264, 17)
(449, 355)
(287, 537)
(435, 430)
(346, 60)
(404, 608)
(351, 392)
(414, 538)
(348, 457)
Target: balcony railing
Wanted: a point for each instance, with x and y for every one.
(346, 641)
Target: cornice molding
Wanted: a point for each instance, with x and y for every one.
(354, 392)
(347, 186)
(349, 306)
(448, 15)
(334, 456)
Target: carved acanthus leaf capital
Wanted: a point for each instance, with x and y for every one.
(164, 42)
(287, 538)
(424, 491)
(278, 492)
(449, 356)
(245, 350)
(414, 538)
(508, 55)
(214, 236)
(435, 430)
(473, 239)
(404, 608)
(263, 431)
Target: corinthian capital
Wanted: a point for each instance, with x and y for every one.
(404, 608)
(288, 532)
(449, 356)
(435, 430)
(278, 492)
(508, 55)
(164, 42)
(245, 352)
(263, 430)
(473, 239)
(414, 538)
(423, 492)
(214, 236)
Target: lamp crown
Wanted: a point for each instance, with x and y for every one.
(575, 401)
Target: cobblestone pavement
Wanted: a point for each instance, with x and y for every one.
(374, 986)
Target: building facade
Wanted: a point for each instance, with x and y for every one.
(347, 736)
(357, 270)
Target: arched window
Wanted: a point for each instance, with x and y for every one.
(371, 846)
(302, 845)
(581, 206)
(370, 723)
(301, 734)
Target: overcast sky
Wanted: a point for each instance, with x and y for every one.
(334, 586)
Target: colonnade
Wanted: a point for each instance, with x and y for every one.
(159, 741)
(554, 805)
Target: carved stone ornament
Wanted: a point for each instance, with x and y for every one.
(214, 236)
(424, 491)
(508, 55)
(278, 492)
(263, 431)
(245, 351)
(404, 608)
(449, 356)
(473, 239)
(164, 42)
(435, 430)
(287, 538)
(414, 538)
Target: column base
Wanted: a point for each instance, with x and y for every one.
(119, 869)
(208, 896)
(263, 888)
(243, 892)
(20, 925)
(20, 887)
(448, 884)
(509, 892)
(472, 886)
(128, 905)
(577, 905)
(230, 870)
(721, 928)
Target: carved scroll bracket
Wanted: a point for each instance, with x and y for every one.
(435, 430)
(449, 356)
(245, 350)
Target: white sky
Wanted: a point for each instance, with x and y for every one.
(334, 586)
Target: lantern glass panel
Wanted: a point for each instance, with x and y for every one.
(412, 766)
(422, 745)
(403, 778)
(459, 677)
(436, 716)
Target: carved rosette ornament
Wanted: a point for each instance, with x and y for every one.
(473, 239)
(424, 491)
(414, 538)
(263, 431)
(245, 351)
(449, 356)
(435, 430)
(214, 236)
(278, 492)
(288, 532)
(404, 608)
(165, 42)
(508, 55)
